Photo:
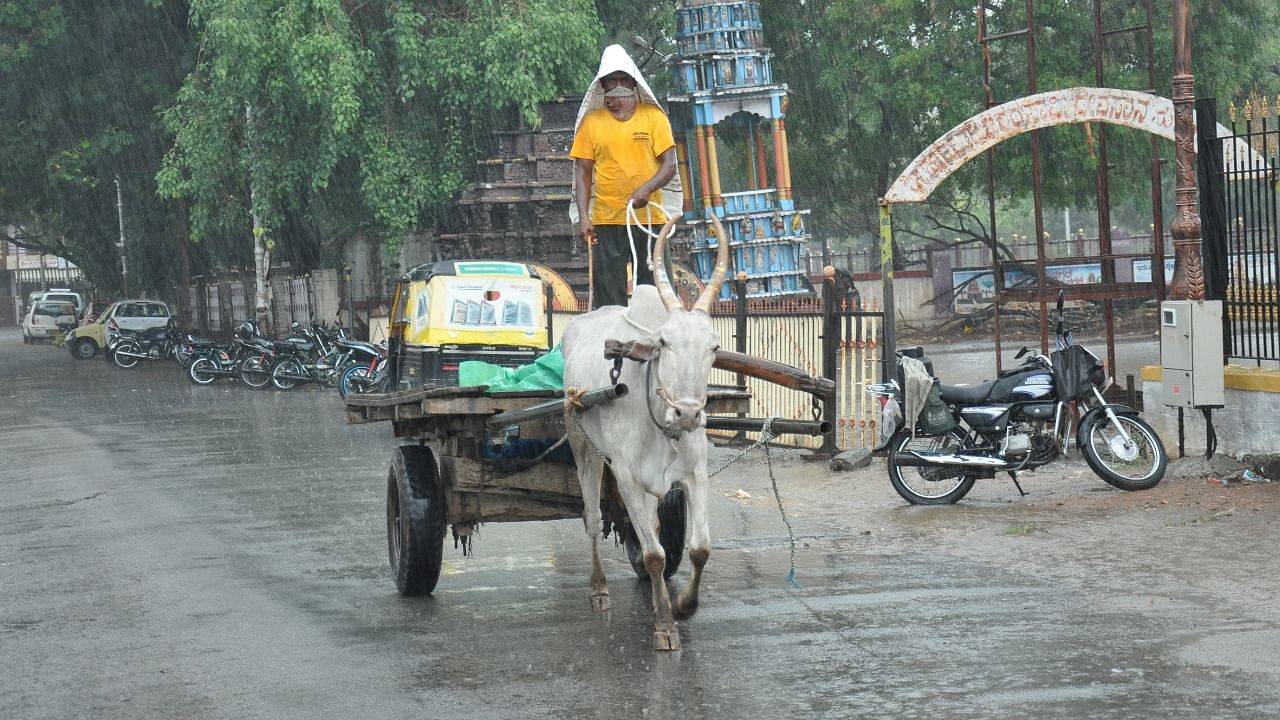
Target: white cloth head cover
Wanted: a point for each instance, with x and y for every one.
(614, 59)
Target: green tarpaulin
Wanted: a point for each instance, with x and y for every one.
(545, 373)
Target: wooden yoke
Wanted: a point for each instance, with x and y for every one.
(774, 372)
(735, 362)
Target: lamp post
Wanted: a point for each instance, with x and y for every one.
(1188, 276)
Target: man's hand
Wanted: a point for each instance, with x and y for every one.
(588, 230)
(640, 197)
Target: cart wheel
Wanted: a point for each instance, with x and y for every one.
(671, 525)
(415, 520)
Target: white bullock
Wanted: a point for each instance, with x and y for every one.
(654, 436)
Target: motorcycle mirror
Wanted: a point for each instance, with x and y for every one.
(1022, 352)
(1061, 297)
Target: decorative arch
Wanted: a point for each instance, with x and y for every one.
(971, 138)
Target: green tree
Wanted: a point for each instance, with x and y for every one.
(399, 96)
(875, 83)
(79, 80)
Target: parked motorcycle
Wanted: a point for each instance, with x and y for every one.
(211, 361)
(309, 355)
(370, 375)
(1019, 421)
(131, 347)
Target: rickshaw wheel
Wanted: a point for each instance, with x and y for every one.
(415, 520)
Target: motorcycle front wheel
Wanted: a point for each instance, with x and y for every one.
(355, 380)
(288, 366)
(929, 485)
(121, 359)
(1138, 464)
(255, 372)
(200, 371)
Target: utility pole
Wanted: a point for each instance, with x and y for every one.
(124, 266)
(1188, 276)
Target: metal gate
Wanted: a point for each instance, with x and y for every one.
(1241, 229)
(832, 337)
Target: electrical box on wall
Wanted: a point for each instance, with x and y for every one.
(1191, 352)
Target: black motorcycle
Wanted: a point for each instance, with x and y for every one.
(211, 361)
(1019, 421)
(131, 347)
(309, 355)
(369, 373)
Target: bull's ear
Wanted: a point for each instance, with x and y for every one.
(644, 350)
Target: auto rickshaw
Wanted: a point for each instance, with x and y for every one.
(446, 312)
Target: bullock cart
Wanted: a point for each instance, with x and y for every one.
(475, 456)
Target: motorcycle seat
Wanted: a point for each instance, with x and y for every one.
(966, 394)
(299, 344)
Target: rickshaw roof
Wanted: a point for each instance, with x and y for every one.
(479, 268)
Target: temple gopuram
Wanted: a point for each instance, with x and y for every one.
(725, 92)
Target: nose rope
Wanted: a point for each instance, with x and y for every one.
(662, 394)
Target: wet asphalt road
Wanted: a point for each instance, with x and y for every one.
(172, 551)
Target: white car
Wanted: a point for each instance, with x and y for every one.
(43, 318)
(88, 339)
(66, 295)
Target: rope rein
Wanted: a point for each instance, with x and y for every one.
(647, 229)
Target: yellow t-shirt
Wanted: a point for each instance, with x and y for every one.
(625, 153)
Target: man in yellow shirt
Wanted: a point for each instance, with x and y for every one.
(623, 151)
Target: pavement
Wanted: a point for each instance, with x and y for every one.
(173, 551)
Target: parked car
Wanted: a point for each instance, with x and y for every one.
(88, 339)
(93, 309)
(43, 318)
(66, 295)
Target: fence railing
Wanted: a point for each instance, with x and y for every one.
(217, 306)
(1251, 166)
(975, 256)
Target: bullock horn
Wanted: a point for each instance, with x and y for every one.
(712, 289)
(660, 279)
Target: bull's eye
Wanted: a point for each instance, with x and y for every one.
(662, 342)
(715, 349)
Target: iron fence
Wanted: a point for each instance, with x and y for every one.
(218, 305)
(1251, 201)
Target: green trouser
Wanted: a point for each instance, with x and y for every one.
(612, 255)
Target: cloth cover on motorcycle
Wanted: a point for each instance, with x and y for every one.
(916, 382)
(1072, 371)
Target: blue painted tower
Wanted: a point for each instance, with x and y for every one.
(724, 84)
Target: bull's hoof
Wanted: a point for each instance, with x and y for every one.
(666, 640)
(600, 602)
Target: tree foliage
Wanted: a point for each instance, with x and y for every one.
(80, 94)
(367, 116)
(875, 83)
(399, 97)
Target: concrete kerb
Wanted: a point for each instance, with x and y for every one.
(1249, 424)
